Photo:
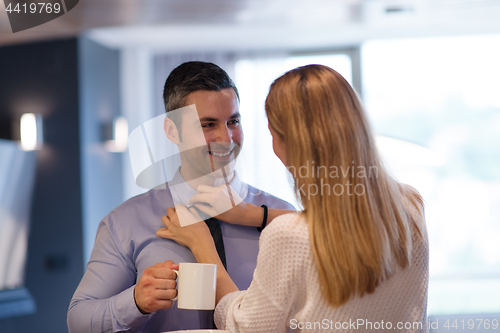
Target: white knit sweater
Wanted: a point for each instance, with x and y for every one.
(285, 296)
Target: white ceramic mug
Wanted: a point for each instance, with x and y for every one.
(196, 286)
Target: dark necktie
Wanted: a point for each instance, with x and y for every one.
(216, 232)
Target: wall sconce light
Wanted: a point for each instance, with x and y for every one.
(31, 131)
(115, 135)
(27, 130)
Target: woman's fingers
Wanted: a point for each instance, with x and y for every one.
(164, 233)
(186, 217)
(177, 218)
(171, 222)
(172, 214)
(193, 211)
(209, 210)
(208, 198)
(166, 220)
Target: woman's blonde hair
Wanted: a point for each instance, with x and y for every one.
(358, 218)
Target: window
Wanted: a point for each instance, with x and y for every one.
(443, 95)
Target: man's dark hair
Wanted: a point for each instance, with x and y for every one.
(192, 76)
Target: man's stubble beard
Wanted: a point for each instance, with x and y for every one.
(201, 164)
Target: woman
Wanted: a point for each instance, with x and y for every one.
(356, 257)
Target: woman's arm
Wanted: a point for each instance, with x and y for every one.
(251, 215)
(198, 239)
(278, 288)
(216, 202)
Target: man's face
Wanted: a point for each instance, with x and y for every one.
(219, 117)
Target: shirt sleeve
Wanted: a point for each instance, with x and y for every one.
(104, 300)
(275, 292)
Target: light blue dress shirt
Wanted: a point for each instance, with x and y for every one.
(126, 244)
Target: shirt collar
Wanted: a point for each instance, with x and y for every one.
(181, 190)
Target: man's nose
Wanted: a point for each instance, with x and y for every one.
(224, 134)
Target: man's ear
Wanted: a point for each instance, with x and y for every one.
(171, 131)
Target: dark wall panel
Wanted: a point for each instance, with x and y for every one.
(43, 78)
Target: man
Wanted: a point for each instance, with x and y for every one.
(129, 284)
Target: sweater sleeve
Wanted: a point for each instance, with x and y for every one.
(104, 300)
(274, 294)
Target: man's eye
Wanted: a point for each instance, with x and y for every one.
(207, 125)
(234, 122)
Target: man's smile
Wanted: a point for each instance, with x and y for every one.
(221, 154)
